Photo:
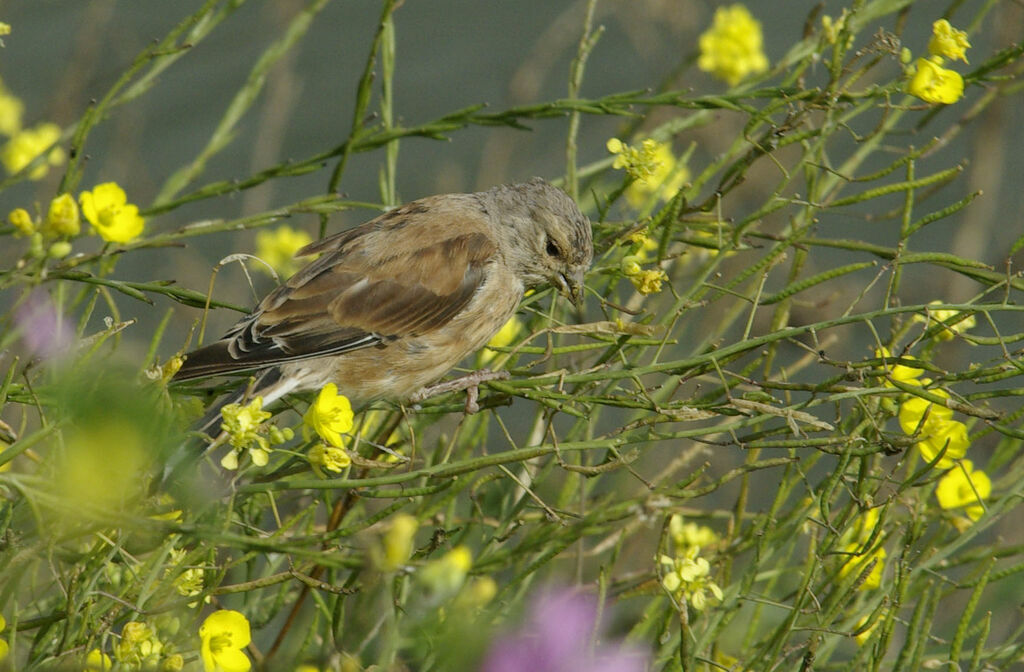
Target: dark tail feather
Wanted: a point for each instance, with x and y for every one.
(210, 360)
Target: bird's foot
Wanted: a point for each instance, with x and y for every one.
(470, 383)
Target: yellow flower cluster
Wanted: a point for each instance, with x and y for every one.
(640, 163)
(4, 646)
(247, 430)
(398, 542)
(647, 281)
(733, 48)
(62, 222)
(187, 583)
(138, 648)
(11, 110)
(278, 249)
(687, 535)
(687, 575)
(853, 544)
(97, 661)
(27, 144)
(931, 82)
(832, 27)
(965, 488)
(330, 458)
(948, 42)
(962, 487)
(657, 173)
(442, 578)
(328, 417)
(936, 427)
(957, 322)
(106, 208)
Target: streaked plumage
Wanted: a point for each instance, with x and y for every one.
(393, 304)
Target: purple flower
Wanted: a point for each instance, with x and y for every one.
(44, 331)
(556, 638)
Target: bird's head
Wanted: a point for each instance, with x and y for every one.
(547, 239)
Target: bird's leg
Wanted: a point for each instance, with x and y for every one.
(469, 382)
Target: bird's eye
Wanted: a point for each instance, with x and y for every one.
(553, 249)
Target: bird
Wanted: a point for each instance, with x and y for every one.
(390, 306)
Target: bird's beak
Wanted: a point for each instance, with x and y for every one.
(571, 287)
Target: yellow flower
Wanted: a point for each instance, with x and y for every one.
(640, 163)
(687, 535)
(653, 167)
(863, 526)
(831, 27)
(649, 282)
(914, 409)
(666, 179)
(856, 565)
(11, 109)
(112, 216)
(948, 42)
(26, 145)
(102, 465)
(477, 593)
(934, 84)
(864, 635)
(904, 374)
(443, 577)
(62, 218)
(278, 249)
(138, 647)
(937, 431)
(398, 541)
(641, 245)
(243, 425)
(732, 48)
(505, 337)
(59, 250)
(4, 646)
(941, 315)
(22, 221)
(330, 458)
(630, 265)
(949, 434)
(689, 576)
(330, 415)
(188, 583)
(97, 661)
(223, 635)
(964, 487)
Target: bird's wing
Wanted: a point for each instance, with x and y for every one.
(372, 284)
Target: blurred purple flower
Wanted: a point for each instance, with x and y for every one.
(44, 331)
(556, 638)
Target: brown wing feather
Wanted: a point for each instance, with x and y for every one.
(365, 290)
